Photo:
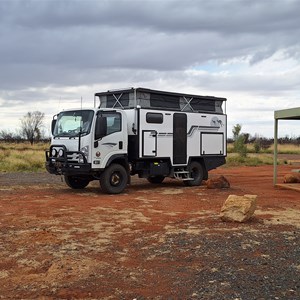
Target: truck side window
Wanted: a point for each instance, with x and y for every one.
(113, 123)
(154, 118)
(107, 123)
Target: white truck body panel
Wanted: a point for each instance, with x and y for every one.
(206, 135)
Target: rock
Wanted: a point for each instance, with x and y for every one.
(292, 178)
(238, 208)
(217, 183)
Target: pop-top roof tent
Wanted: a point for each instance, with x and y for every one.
(154, 99)
(285, 114)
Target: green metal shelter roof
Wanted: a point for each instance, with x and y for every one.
(284, 114)
(287, 114)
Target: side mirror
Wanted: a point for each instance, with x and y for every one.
(101, 128)
(53, 123)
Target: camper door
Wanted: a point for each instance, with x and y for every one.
(149, 142)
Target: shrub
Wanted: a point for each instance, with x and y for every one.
(257, 146)
(239, 145)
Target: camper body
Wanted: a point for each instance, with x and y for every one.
(150, 133)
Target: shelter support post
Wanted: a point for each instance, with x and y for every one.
(275, 151)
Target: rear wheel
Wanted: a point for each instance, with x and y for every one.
(114, 179)
(76, 182)
(156, 179)
(196, 172)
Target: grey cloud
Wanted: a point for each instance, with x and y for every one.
(144, 34)
(87, 42)
(177, 15)
(64, 49)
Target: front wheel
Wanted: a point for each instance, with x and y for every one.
(114, 179)
(196, 172)
(76, 182)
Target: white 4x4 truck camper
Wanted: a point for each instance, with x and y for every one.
(151, 133)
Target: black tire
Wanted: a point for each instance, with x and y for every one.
(196, 172)
(76, 182)
(114, 179)
(156, 179)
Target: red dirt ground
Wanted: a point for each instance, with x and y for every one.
(151, 242)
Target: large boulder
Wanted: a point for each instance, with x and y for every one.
(292, 178)
(217, 183)
(238, 208)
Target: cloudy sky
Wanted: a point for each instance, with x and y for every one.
(52, 53)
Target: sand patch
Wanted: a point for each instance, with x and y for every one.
(289, 216)
(172, 192)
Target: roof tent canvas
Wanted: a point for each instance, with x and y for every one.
(154, 99)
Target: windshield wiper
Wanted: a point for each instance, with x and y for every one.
(77, 134)
(73, 135)
(63, 134)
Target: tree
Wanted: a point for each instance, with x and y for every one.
(31, 125)
(236, 131)
(239, 140)
(7, 136)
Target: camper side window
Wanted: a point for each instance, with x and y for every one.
(154, 118)
(164, 101)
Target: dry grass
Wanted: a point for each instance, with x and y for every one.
(22, 157)
(286, 149)
(234, 159)
(282, 149)
(264, 157)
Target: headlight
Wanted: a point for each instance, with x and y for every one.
(60, 152)
(54, 152)
(85, 151)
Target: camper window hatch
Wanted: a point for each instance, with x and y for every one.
(156, 118)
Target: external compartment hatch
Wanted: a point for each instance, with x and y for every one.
(212, 143)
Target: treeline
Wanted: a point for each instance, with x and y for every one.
(241, 140)
(31, 130)
(11, 137)
(19, 137)
(267, 142)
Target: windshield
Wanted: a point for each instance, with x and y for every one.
(73, 123)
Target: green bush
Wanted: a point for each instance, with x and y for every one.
(240, 147)
(257, 146)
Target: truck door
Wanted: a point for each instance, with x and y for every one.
(110, 136)
(179, 138)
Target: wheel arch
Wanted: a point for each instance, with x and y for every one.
(121, 159)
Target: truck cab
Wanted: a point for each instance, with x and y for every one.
(85, 142)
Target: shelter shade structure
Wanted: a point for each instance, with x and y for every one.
(285, 114)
